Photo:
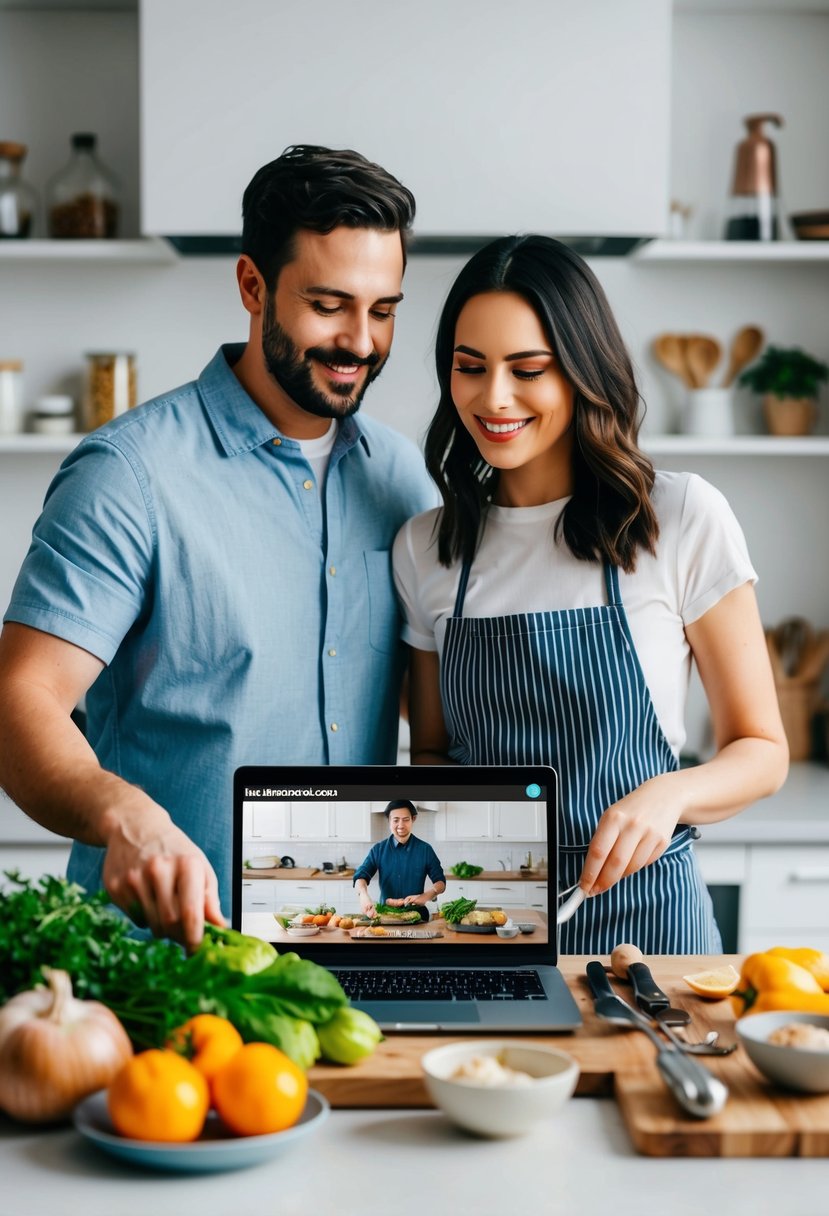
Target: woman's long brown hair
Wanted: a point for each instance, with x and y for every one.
(610, 515)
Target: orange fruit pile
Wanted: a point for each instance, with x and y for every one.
(166, 1094)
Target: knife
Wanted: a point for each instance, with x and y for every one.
(695, 1089)
(651, 998)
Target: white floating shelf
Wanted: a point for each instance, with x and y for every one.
(732, 251)
(149, 250)
(736, 445)
(38, 445)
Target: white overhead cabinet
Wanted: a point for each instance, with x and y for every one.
(538, 115)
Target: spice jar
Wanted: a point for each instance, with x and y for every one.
(111, 387)
(83, 197)
(53, 414)
(18, 200)
(11, 398)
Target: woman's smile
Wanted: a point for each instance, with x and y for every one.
(501, 430)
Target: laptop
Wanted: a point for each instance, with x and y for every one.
(301, 835)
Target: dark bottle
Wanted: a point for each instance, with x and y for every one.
(83, 197)
(753, 208)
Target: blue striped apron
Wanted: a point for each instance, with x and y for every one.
(566, 689)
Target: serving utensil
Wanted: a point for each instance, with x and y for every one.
(695, 1089)
(702, 354)
(745, 347)
(669, 349)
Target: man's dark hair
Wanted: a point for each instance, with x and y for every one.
(318, 189)
(401, 804)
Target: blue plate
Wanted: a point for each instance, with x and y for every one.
(215, 1150)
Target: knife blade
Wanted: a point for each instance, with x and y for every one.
(695, 1089)
(651, 998)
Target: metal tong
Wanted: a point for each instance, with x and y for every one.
(695, 1089)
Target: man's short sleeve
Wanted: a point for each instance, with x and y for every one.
(85, 576)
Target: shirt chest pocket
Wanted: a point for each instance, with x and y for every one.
(383, 612)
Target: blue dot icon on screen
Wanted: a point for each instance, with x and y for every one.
(532, 791)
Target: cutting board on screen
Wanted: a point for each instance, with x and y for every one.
(757, 1121)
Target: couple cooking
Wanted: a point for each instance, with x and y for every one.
(221, 573)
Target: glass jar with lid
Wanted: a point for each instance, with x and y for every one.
(53, 414)
(111, 387)
(18, 200)
(82, 200)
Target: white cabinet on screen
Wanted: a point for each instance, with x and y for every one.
(518, 821)
(310, 821)
(258, 895)
(464, 821)
(350, 821)
(268, 820)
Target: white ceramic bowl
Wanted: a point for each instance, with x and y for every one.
(508, 930)
(303, 930)
(791, 1067)
(502, 1110)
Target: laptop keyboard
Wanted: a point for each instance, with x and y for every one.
(441, 985)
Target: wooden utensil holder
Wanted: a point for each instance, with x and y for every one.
(798, 706)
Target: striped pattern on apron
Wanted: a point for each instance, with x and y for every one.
(566, 689)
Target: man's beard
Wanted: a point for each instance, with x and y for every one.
(293, 371)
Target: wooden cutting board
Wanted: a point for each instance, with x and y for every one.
(758, 1120)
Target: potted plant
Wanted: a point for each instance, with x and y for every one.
(788, 380)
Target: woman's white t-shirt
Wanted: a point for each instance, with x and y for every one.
(520, 567)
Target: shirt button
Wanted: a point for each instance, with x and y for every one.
(308, 485)
(277, 442)
(332, 570)
(334, 726)
(332, 653)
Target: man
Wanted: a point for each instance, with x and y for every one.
(404, 862)
(212, 569)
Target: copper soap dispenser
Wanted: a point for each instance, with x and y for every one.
(754, 208)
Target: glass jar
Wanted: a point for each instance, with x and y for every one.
(111, 387)
(11, 396)
(18, 200)
(83, 197)
(53, 414)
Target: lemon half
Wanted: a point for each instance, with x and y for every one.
(715, 984)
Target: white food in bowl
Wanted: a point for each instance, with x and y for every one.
(801, 1034)
(303, 930)
(790, 1067)
(488, 1070)
(500, 1110)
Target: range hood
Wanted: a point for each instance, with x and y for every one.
(542, 116)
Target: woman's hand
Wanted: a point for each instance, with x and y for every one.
(631, 834)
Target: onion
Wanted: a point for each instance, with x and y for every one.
(55, 1050)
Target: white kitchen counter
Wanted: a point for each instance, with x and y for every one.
(796, 814)
(412, 1163)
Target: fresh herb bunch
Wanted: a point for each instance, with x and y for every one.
(785, 373)
(152, 985)
(465, 869)
(456, 909)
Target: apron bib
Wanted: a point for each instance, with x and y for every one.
(566, 689)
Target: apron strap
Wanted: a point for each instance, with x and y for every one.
(462, 582)
(611, 579)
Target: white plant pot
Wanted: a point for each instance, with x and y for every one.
(709, 411)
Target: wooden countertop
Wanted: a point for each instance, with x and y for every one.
(298, 874)
(449, 937)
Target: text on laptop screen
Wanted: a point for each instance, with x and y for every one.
(352, 865)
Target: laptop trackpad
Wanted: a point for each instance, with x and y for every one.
(392, 1015)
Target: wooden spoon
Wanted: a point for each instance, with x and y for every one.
(746, 346)
(669, 349)
(702, 354)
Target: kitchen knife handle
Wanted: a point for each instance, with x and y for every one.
(599, 983)
(649, 996)
(695, 1089)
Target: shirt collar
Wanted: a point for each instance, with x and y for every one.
(240, 424)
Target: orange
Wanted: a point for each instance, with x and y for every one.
(158, 1095)
(260, 1091)
(207, 1041)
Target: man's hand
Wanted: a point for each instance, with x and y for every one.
(395, 903)
(368, 908)
(158, 876)
(419, 901)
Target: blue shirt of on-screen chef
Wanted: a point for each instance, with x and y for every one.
(403, 868)
(245, 614)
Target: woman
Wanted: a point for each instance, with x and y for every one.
(555, 602)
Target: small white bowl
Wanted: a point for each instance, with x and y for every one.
(508, 930)
(791, 1067)
(303, 930)
(500, 1110)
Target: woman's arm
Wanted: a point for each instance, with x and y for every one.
(750, 763)
(430, 740)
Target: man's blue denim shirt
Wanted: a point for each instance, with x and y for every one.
(244, 616)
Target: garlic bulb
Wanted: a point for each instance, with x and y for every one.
(55, 1050)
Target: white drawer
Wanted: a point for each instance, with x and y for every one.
(722, 864)
(787, 888)
(258, 895)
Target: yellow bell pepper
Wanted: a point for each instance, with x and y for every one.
(778, 982)
(805, 956)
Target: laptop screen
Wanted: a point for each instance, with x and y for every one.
(342, 864)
